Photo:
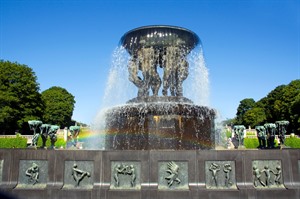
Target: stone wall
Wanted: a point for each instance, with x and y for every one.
(92, 174)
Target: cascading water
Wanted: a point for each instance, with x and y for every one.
(118, 87)
(162, 69)
(197, 84)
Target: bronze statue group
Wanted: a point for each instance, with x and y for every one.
(146, 60)
(266, 134)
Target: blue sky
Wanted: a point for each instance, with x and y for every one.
(250, 47)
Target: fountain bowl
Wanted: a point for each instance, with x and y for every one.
(159, 36)
(154, 125)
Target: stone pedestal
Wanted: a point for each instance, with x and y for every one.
(152, 174)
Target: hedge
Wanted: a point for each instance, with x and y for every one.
(17, 142)
(228, 134)
(251, 143)
(292, 142)
(21, 142)
(58, 144)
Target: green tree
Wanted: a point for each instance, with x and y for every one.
(244, 106)
(59, 106)
(295, 113)
(289, 95)
(228, 122)
(20, 99)
(282, 103)
(253, 117)
(272, 103)
(291, 105)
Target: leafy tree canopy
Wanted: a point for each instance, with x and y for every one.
(59, 106)
(20, 99)
(228, 122)
(253, 117)
(271, 103)
(244, 106)
(282, 103)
